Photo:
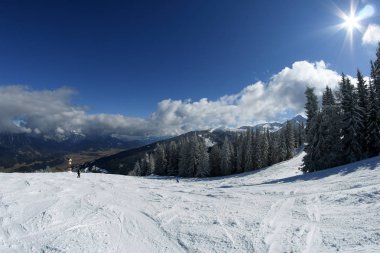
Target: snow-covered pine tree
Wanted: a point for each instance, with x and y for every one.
(272, 150)
(264, 148)
(328, 97)
(375, 79)
(311, 107)
(185, 159)
(195, 154)
(330, 145)
(301, 134)
(351, 123)
(145, 166)
(203, 167)
(173, 158)
(225, 158)
(312, 126)
(151, 164)
(289, 140)
(295, 135)
(373, 135)
(257, 158)
(376, 71)
(240, 154)
(233, 147)
(248, 152)
(362, 103)
(161, 160)
(312, 159)
(137, 169)
(282, 148)
(215, 161)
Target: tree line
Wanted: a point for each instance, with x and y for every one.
(346, 128)
(189, 156)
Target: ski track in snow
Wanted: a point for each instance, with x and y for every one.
(272, 210)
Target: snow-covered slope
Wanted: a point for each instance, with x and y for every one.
(272, 210)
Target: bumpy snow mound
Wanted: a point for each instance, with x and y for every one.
(272, 210)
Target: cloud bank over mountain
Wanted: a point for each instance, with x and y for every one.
(51, 112)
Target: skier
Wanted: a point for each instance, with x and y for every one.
(78, 173)
(177, 179)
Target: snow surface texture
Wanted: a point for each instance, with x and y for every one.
(271, 210)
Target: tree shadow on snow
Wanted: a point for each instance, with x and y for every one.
(368, 164)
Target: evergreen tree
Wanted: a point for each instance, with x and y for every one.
(136, 169)
(289, 140)
(311, 107)
(151, 164)
(146, 167)
(185, 166)
(376, 71)
(351, 123)
(312, 127)
(225, 158)
(215, 161)
(161, 161)
(203, 168)
(257, 158)
(248, 152)
(240, 154)
(313, 151)
(264, 149)
(173, 157)
(282, 148)
(327, 98)
(301, 134)
(330, 123)
(363, 107)
(373, 134)
(272, 157)
(375, 124)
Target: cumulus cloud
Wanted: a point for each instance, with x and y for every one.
(51, 112)
(256, 103)
(372, 35)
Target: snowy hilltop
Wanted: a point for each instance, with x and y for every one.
(276, 209)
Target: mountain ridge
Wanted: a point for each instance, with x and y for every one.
(25, 152)
(124, 161)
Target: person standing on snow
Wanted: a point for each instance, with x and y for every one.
(78, 173)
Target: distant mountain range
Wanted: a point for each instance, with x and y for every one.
(275, 126)
(123, 162)
(27, 152)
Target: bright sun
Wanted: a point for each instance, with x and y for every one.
(351, 22)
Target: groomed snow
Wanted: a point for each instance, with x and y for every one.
(272, 210)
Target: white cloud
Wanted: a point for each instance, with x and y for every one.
(51, 113)
(372, 35)
(258, 102)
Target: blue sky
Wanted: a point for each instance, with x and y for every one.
(125, 57)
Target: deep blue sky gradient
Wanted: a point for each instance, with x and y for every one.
(125, 56)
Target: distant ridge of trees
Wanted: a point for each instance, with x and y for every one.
(347, 126)
(248, 150)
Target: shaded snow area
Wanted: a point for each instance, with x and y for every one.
(273, 210)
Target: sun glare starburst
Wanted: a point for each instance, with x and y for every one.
(351, 21)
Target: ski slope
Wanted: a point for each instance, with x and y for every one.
(272, 210)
